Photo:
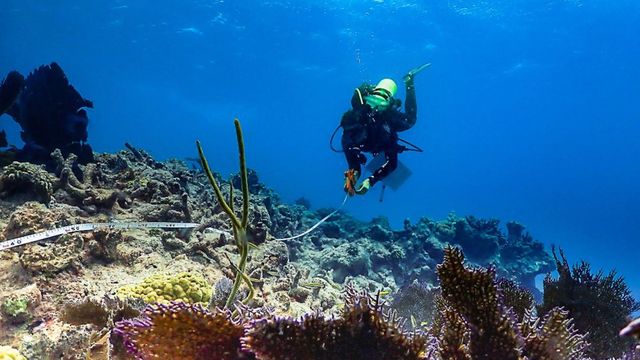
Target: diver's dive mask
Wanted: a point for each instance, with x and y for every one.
(378, 101)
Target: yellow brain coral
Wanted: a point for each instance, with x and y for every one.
(9, 353)
(186, 287)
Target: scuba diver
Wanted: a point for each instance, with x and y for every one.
(373, 124)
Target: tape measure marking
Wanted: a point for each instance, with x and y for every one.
(8, 244)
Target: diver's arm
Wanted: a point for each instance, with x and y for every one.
(410, 104)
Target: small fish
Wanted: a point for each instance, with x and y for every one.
(190, 30)
(313, 284)
(384, 292)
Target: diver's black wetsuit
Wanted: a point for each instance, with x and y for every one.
(368, 131)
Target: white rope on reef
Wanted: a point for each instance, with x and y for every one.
(318, 223)
(27, 239)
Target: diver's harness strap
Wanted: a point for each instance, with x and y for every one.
(412, 147)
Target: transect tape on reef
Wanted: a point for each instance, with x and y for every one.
(90, 227)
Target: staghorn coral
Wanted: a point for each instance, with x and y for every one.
(364, 331)
(474, 294)
(183, 331)
(28, 179)
(515, 297)
(450, 331)
(580, 292)
(552, 337)
(186, 287)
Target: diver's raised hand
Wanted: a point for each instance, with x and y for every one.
(408, 78)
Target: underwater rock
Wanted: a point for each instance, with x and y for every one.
(50, 258)
(100, 311)
(17, 306)
(345, 259)
(32, 217)
(103, 244)
(30, 181)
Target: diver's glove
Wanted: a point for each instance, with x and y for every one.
(350, 180)
(408, 79)
(364, 187)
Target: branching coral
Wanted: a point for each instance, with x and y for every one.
(240, 225)
(474, 294)
(515, 297)
(476, 304)
(600, 304)
(183, 331)
(364, 331)
(552, 338)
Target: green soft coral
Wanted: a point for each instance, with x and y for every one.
(239, 224)
(9, 353)
(186, 287)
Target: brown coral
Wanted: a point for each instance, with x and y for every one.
(581, 292)
(474, 294)
(364, 331)
(552, 338)
(29, 179)
(183, 331)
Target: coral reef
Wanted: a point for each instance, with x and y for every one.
(298, 279)
(186, 287)
(583, 295)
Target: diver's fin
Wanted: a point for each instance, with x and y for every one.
(415, 71)
(10, 89)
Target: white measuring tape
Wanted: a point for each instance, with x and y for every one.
(27, 239)
(92, 226)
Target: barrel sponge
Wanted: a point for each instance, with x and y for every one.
(187, 287)
(9, 353)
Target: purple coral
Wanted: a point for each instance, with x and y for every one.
(180, 330)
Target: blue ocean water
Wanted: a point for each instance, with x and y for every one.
(530, 111)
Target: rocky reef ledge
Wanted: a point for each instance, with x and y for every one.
(58, 296)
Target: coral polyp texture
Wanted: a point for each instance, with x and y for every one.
(182, 331)
(475, 322)
(364, 331)
(186, 287)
